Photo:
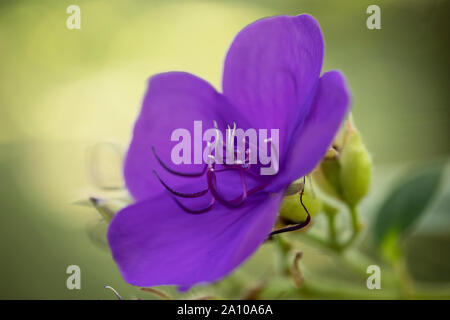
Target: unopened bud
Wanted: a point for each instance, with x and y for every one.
(356, 166)
(292, 209)
(345, 171)
(107, 207)
(327, 176)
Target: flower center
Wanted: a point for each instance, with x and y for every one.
(232, 161)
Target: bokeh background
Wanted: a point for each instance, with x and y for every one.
(68, 96)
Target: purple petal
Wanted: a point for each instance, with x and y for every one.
(173, 100)
(154, 242)
(311, 141)
(271, 69)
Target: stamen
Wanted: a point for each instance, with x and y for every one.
(209, 168)
(228, 203)
(256, 189)
(221, 170)
(300, 225)
(211, 158)
(114, 292)
(244, 185)
(231, 133)
(195, 211)
(180, 194)
(218, 142)
(229, 143)
(182, 174)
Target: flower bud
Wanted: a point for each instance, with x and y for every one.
(292, 209)
(107, 207)
(345, 171)
(356, 167)
(327, 177)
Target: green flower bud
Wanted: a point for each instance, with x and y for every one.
(107, 207)
(292, 210)
(345, 171)
(327, 177)
(356, 167)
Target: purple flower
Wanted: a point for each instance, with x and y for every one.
(191, 224)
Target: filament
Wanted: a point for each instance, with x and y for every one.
(300, 225)
(212, 184)
(177, 173)
(210, 170)
(195, 211)
(181, 194)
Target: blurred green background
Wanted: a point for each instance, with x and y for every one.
(64, 91)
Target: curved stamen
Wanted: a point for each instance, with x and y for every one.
(209, 168)
(180, 194)
(235, 167)
(222, 170)
(256, 189)
(300, 225)
(244, 185)
(212, 184)
(177, 173)
(245, 165)
(195, 211)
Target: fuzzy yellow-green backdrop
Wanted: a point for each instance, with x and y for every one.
(62, 92)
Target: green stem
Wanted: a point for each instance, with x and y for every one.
(355, 219)
(332, 234)
(356, 227)
(404, 279)
(342, 290)
(354, 261)
(283, 248)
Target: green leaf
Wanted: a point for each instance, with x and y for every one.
(406, 203)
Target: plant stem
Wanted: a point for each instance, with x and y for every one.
(404, 279)
(332, 231)
(355, 219)
(342, 290)
(354, 260)
(356, 227)
(283, 248)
